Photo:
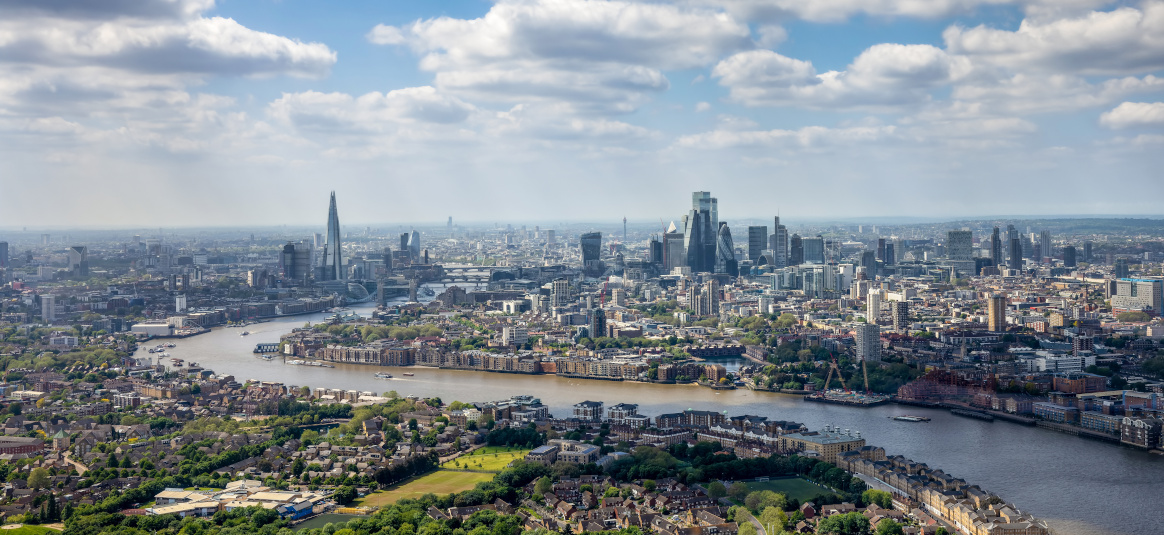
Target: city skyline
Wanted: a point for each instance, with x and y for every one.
(244, 110)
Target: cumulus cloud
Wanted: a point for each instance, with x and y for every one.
(841, 10)
(807, 138)
(1127, 40)
(597, 55)
(1131, 114)
(1027, 93)
(373, 111)
(883, 75)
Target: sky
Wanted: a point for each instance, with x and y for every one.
(219, 113)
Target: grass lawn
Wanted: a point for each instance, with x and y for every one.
(323, 520)
(439, 482)
(487, 459)
(793, 487)
(28, 530)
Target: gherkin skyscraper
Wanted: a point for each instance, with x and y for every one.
(332, 262)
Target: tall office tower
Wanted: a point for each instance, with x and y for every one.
(48, 308)
(591, 243)
(795, 250)
(869, 262)
(655, 251)
(79, 260)
(959, 245)
(624, 229)
(873, 305)
(332, 261)
(693, 226)
(560, 293)
(996, 313)
(414, 246)
(673, 256)
(779, 243)
(813, 250)
(890, 254)
(450, 223)
(1120, 269)
(1087, 251)
(757, 240)
(44, 239)
(597, 323)
(180, 303)
(296, 262)
(881, 249)
(899, 311)
(1031, 248)
(700, 230)
(3, 254)
(867, 342)
(711, 297)
(725, 256)
(996, 257)
(551, 237)
(1014, 259)
(1069, 256)
(704, 202)
(1044, 246)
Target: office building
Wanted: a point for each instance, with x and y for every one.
(655, 250)
(873, 305)
(890, 254)
(1045, 247)
(757, 241)
(1145, 295)
(813, 250)
(414, 246)
(79, 261)
(700, 232)
(899, 311)
(795, 251)
(996, 257)
(960, 245)
(1120, 269)
(1087, 251)
(591, 244)
(725, 257)
(673, 250)
(295, 262)
(778, 243)
(332, 262)
(996, 313)
(48, 308)
(867, 342)
(1069, 256)
(3, 254)
(560, 293)
(1015, 254)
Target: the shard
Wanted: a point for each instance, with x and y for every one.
(332, 263)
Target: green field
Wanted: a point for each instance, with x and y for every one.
(28, 530)
(793, 487)
(439, 483)
(487, 459)
(323, 520)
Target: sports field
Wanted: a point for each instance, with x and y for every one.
(487, 459)
(17, 529)
(793, 487)
(439, 483)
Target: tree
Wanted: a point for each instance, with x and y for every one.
(941, 531)
(649, 485)
(773, 516)
(747, 528)
(846, 524)
(543, 485)
(738, 491)
(889, 527)
(716, 490)
(39, 478)
(344, 495)
(883, 499)
(760, 500)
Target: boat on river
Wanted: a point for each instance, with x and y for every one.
(409, 374)
(909, 418)
(382, 375)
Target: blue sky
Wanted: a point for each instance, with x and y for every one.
(236, 112)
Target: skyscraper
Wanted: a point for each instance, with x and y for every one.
(996, 313)
(867, 342)
(296, 262)
(725, 258)
(673, 249)
(779, 243)
(1069, 256)
(813, 250)
(414, 246)
(996, 248)
(890, 254)
(757, 240)
(1044, 246)
(881, 249)
(3, 254)
(795, 251)
(332, 262)
(79, 260)
(591, 244)
(873, 306)
(899, 311)
(960, 245)
(1087, 251)
(700, 230)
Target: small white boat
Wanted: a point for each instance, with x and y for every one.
(244, 333)
(382, 375)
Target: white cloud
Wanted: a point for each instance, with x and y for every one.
(1130, 114)
(807, 138)
(702, 106)
(595, 55)
(1126, 40)
(841, 10)
(373, 111)
(1025, 93)
(884, 75)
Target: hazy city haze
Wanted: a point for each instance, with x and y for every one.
(191, 112)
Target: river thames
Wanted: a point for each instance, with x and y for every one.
(1080, 487)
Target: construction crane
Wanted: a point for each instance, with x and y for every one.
(865, 371)
(834, 366)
